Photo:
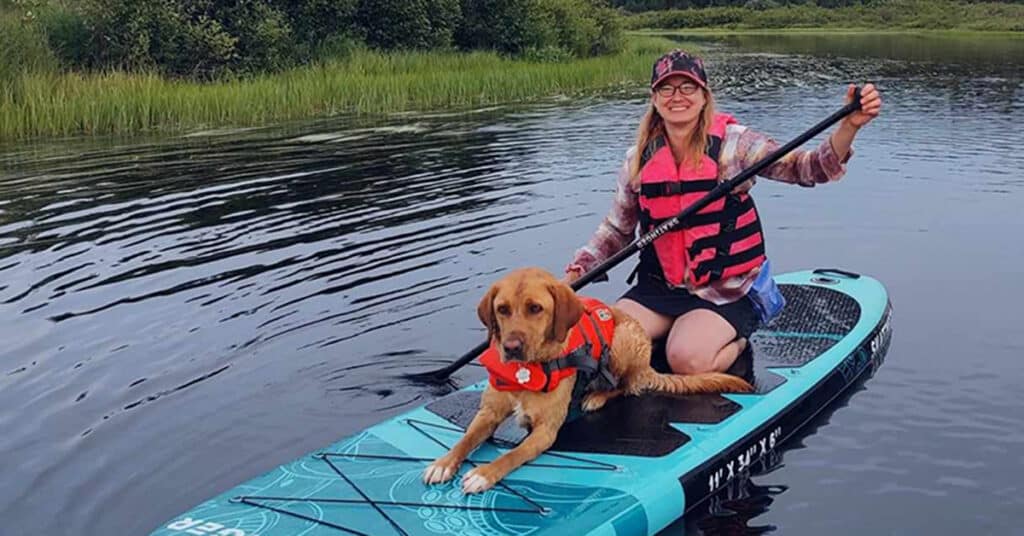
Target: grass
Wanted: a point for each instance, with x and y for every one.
(62, 104)
(894, 15)
(39, 99)
(830, 30)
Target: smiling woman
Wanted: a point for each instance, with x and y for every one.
(706, 287)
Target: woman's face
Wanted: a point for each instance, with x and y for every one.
(679, 100)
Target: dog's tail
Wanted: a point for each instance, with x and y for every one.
(686, 384)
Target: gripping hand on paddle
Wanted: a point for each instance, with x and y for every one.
(870, 105)
(870, 108)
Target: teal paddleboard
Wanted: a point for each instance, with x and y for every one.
(631, 468)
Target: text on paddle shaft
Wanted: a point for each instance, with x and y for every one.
(656, 233)
(728, 470)
(205, 528)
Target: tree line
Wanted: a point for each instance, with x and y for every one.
(206, 39)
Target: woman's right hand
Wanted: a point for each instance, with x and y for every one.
(570, 276)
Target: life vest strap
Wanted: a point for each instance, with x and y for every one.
(703, 218)
(667, 188)
(578, 359)
(652, 147)
(714, 148)
(724, 239)
(586, 366)
(604, 369)
(719, 263)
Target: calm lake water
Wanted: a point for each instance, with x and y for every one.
(180, 315)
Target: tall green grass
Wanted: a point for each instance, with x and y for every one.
(891, 14)
(366, 82)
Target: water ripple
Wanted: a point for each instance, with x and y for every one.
(252, 293)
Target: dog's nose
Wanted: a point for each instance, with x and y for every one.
(513, 345)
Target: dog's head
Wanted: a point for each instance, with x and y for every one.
(529, 314)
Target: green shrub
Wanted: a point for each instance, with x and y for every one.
(574, 28)
(610, 39)
(189, 38)
(507, 26)
(68, 34)
(263, 34)
(416, 24)
(313, 21)
(537, 27)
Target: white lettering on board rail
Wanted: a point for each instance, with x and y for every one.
(729, 469)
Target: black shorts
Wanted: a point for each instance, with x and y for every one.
(741, 315)
(656, 296)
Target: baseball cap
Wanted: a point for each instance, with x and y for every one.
(679, 62)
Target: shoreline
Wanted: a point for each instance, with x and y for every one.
(69, 104)
(821, 30)
(46, 107)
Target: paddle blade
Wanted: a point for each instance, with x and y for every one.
(434, 376)
(441, 375)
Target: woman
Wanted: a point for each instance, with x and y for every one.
(698, 287)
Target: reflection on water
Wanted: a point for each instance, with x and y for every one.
(179, 315)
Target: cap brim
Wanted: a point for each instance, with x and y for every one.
(687, 74)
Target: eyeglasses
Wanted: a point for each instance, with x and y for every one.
(668, 90)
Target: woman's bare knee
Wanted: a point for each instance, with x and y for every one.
(687, 360)
(654, 324)
(696, 340)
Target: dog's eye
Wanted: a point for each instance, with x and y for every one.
(534, 309)
(503, 310)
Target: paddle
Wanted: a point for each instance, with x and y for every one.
(441, 375)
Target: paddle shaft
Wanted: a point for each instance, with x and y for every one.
(719, 191)
(670, 224)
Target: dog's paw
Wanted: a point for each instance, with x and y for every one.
(479, 480)
(442, 470)
(594, 401)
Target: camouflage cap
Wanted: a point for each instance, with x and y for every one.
(679, 62)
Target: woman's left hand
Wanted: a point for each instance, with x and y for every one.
(870, 105)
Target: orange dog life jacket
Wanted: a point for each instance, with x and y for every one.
(588, 352)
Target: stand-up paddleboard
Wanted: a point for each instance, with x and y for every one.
(633, 467)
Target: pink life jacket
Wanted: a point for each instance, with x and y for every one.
(722, 240)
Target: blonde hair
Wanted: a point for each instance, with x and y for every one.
(652, 126)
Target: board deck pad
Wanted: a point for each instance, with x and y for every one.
(635, 426)
(639, 426)
(632, 467)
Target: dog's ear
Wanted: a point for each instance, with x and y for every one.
(567, 311)
(485, 311)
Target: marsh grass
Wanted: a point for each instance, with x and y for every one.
(894, 14)
(45, 103)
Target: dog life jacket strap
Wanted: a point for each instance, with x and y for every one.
(586, 366)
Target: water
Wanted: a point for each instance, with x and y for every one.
(179, 315)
